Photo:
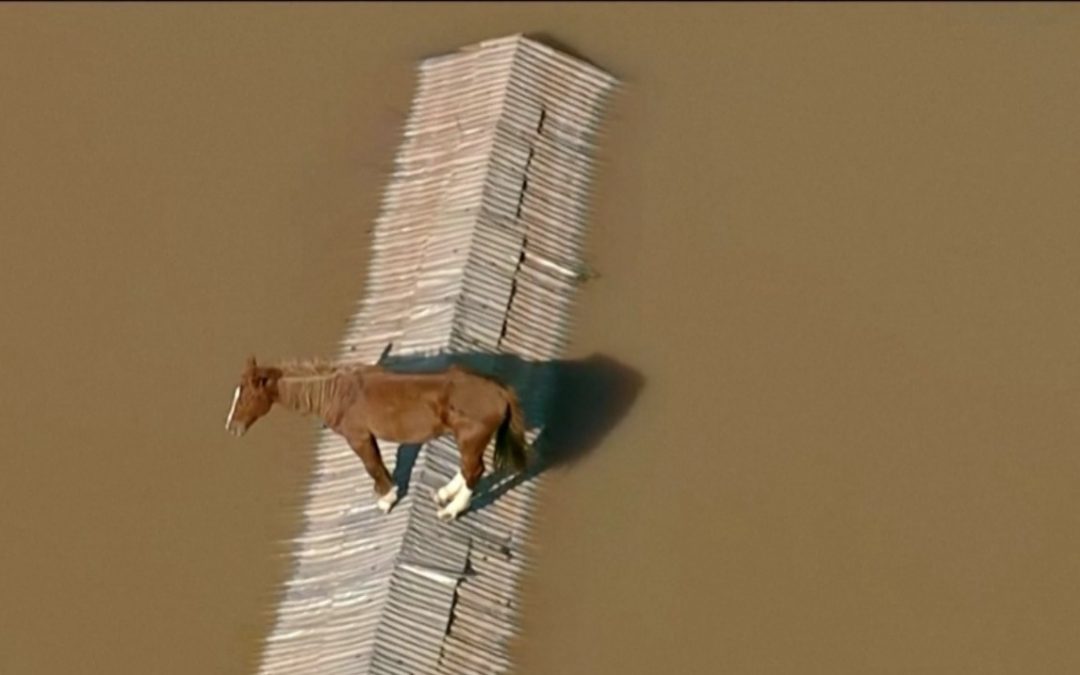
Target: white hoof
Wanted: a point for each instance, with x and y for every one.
(455, 508)
(387, 500)
(450, 490)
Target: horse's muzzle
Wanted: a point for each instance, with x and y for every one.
(237, 429)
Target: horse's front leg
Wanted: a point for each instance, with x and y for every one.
(367, 449)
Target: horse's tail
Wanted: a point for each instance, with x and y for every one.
(510, 445)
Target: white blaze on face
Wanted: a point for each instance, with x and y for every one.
(232, 409)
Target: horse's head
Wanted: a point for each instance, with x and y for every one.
(253, 397)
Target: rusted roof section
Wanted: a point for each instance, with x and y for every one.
(477, 249)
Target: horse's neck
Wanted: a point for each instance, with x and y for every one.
(308, 394)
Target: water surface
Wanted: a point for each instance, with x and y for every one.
(839, 242)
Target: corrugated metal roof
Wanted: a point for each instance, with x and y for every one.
(476, 249)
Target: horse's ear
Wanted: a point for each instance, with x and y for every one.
(250, 363)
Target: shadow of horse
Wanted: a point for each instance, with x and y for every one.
(574, 404)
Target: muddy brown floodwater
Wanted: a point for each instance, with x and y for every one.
(840, 243)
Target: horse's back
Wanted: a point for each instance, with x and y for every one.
(407, 385)
(455, 385)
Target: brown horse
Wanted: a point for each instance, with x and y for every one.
(362, 403)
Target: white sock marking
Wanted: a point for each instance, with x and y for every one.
(387, 500)
(460, 503)
(232, 409)
(448, 491)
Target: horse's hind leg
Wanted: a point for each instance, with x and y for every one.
(471, 444)
(448, 491)
(367, 449)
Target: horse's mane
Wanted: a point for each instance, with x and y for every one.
(310, 385)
